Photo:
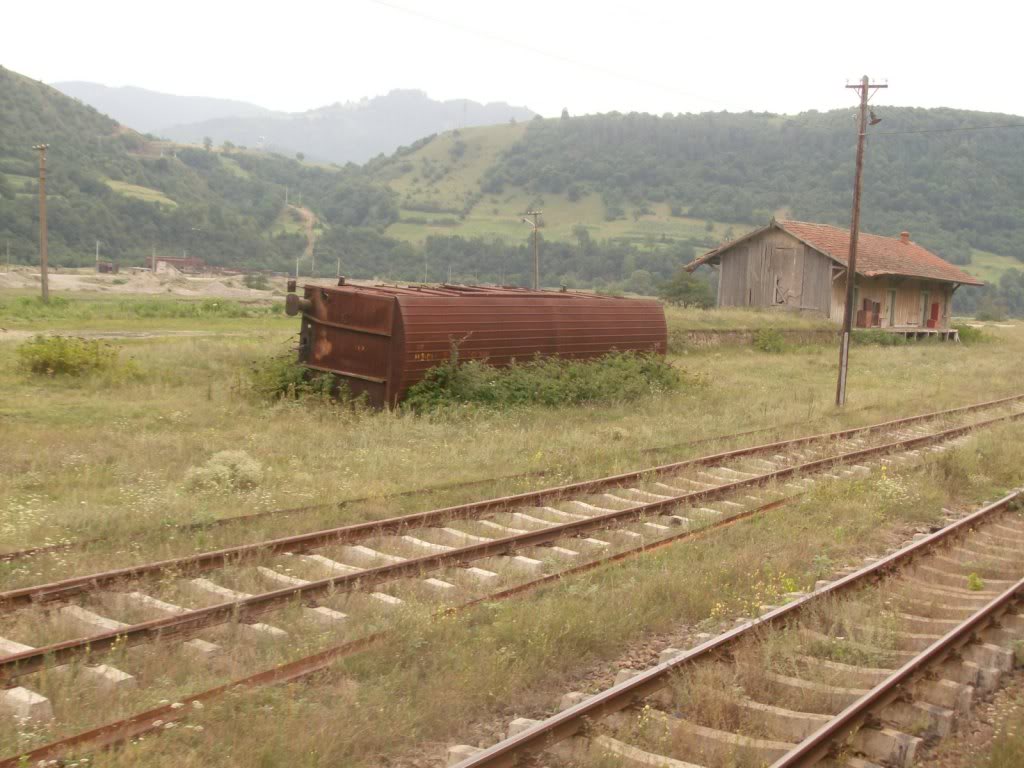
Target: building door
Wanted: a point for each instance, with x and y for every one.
(924, 308)
(892, 307)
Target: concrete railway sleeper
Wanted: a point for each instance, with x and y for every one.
(865, 671)
(564, 539)
(781, 453)
(119, 731)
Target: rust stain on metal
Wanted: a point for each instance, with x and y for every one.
(383, 339)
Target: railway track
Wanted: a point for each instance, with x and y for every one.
(435, 557)
(865, 671)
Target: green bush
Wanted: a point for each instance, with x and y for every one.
(969, 335)
(284, 378)
(256, 280)
(879, 338)
(66, 356)
(769, 340)
(616, 377)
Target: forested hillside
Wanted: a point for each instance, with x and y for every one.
(925, 170)
(627, 198)
(135, 195)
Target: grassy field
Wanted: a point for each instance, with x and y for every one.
(108, 458)
(140, 193)
(990, 266)
(440, 180)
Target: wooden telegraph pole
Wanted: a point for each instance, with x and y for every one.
(43, 257)
(535, 223)
(865, 88)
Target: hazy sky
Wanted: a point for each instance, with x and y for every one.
(587, 55)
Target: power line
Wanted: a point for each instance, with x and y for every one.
(542, 52)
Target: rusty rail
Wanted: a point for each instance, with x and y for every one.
(117, 732)
(574, 720)
(818, 744)
(187, 624)
(62, 590)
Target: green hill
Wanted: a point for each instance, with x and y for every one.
(136, 194)
(626, 175)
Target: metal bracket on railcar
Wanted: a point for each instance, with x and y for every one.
(293, 303)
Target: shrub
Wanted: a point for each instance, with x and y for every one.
(284, 378)
(969, 335)
(880, 338)
(769, 340)
(549, 381)
(66, 356)
(225, 471)
(256, 280)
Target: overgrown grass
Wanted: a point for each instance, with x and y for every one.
(81, 360)
(769, 340)
(516, 658)
(283, 378)
(971, 335)
(616, 377)
(20, 310)
(869, 337)
(66, 356)
(1008, 745)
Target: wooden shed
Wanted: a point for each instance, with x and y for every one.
(798, 265)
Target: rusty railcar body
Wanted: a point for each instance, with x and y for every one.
(383, 339)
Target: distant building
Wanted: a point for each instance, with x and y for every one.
(166, 264)
(802, 266)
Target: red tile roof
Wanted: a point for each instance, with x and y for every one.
(877, 255)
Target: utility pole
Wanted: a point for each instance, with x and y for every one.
(424, 265)
(97, 255)
(449, 274)
(8, 255)
(43, 256)
(339, 267)
(536, 245)
(866, 88)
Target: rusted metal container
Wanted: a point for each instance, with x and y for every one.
(383, 339)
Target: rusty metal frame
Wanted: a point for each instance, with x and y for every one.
(61, 590)
(187, 624)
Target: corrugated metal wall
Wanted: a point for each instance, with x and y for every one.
(384, 339)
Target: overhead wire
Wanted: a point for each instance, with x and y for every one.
(544, 52)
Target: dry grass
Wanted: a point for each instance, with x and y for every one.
(515, 658)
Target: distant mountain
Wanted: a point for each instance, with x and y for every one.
(350, 132)
(152, 111)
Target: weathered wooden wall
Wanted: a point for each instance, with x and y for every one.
(775, 269)
(909, 300)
